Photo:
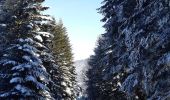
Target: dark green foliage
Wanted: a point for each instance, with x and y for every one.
(23, 73)
(103, 83)
(134, 63)
(64, 58)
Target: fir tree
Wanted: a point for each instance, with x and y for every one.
(64, 58)
(103, 82)
(147, 42)
(23, 70)
(94, 74)
(135, 65)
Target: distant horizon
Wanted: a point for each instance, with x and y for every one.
(83, 29)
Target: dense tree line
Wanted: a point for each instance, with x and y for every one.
(131, 61)
(35, 54)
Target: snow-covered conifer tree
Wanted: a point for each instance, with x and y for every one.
(22, 66)
(64, 59)
(137, 49)
(147, 39)
(94, 73)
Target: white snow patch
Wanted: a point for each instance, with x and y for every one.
(63, 83)
(46, 17)
(10, 62)
(108, 52)
(119, 84)
(16, 80)
(39, 38)
(40, 45)
(47, 94)
(26, 40)
(68, 91)
(5, 55)
(42, 78)
(27, 58)
(30, 78)
(21, 67)
(5, 94)
(30, 25)
(45, 34)
(31, 52)
(3, 25)
(24, 90)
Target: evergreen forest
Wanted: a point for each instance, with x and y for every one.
(131, 59)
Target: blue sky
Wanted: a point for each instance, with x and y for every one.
(82, 21)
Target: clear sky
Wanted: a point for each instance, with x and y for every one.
(82, 21)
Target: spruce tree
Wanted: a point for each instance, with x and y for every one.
(23, 70)
(112, 74)
(64, 58)
(147, 41)
(136, 61)
(94, 73)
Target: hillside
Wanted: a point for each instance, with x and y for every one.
(81, 68)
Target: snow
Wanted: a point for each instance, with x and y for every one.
(109, 51)
(3, 25)
(119, 10)
(29, 47)
(68, 91)
(46, 17)
(45, 34)
(119, 84)
(27, 66)
(41, 23)
(39, 38)
(30, 78)
(47, 94)
(10, 62)
(31, 52)
(37, 63)
(14, 16)
(118, 77)
(26, 40)
(141, 43)
(42, 78)
(15, 74)
(23, 89)
(5, 55)
(27, 58)
(40, 86)
(29, 26)
(20, 47)
(21, 67)
(21, 40)
(39, 45)
(13, 46)
(5, 75)
(4, 94)
(136, 97)
(63, 83)
(16, 80)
